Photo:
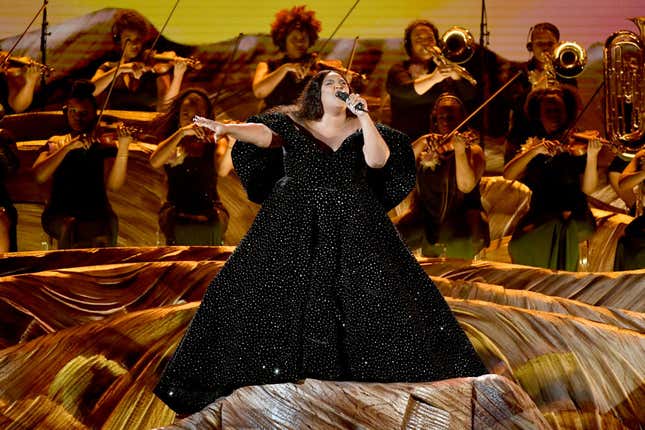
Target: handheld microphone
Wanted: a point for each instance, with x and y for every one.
(344, 96)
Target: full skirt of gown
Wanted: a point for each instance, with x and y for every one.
(321, 286)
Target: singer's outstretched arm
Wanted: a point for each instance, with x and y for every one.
(257, 134)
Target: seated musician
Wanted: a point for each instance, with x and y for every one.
(415, 84)
(542, 41)
(9, 163)
(78, 213)
(140, 85)
(559, 217)
(447, 203)
(614, 172)
(17, 85)
(193, 213)
(630, 252)
(279, 81)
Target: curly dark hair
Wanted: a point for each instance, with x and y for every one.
(407, 34)
(567, 93)
(129, 20)
(309, 105)
(297, 17)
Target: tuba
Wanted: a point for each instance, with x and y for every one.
(624, 79)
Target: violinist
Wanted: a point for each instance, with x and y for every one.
(143, 84)
(415, 84)
(559, 217)
(193, 213)
(78, 212)
(614, 173)
(9, 163)
(279, 81)
(447, 202)
(630, 252)
(18, 82)
(542, 41)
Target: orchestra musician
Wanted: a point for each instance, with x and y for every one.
(9, 163)
(193, 213)
(558, 177)
(142, 84)
(279, 81)
(542, 41)
(415, 84)
(614, 173)
(630, 252)
(78, 212)
(18, 83)
(447, 202)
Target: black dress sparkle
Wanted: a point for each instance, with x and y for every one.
(322, 285)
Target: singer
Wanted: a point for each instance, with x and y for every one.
(321, 286)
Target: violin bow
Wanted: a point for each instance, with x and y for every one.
(333, 33)
(569, 131)
(351, 58)
(476, 111)
(23, 33)
(109, 93)
(116, 71)
(215, 97)
(163, 27)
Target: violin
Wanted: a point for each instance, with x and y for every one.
(441, 144)
(337, 66)
(107, 132)
(314, 65)
(21, 62)
(579, 141)
(162, 62)
(576, 144)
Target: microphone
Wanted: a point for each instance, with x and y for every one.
(344, 96)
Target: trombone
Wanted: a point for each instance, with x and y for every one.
(459, 47)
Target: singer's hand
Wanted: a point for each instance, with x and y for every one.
(203, 134)
(219, 129)
(353, 101)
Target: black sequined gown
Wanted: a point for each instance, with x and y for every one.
(322, 285)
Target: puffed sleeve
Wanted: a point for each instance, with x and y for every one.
(260, 168)
(394, 181)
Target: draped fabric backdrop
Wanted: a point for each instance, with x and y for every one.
(201, 22)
